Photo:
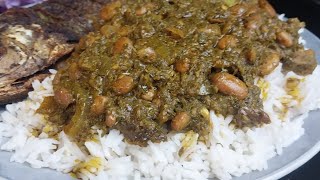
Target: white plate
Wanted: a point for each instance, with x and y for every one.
(293, 157)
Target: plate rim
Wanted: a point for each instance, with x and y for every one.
(305, 157)
(293, 165)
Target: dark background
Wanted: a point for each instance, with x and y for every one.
(309, 12)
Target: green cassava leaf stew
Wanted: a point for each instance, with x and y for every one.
(156, 66)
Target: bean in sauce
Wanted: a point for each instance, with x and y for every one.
(155, 66)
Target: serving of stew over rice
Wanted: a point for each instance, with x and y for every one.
(170, 89)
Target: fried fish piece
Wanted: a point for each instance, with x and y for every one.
(32, 39)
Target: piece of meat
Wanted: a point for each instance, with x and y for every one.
(32, 39)
(246, 116)
(302, 62)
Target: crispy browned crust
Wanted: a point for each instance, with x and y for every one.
(57, 25)
(19, 90)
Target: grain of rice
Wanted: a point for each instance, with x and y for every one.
(228, 152)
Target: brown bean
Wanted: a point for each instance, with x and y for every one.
(182, 66)
(141, 11)
(148, 95)
(270, 62)
(227, 41)
(110, 120)
(264, 4)
(98, 105)
(122, 44)
(175, 33)
(284, 38)
(147, 55)
(251, 55)
(63, 96)
(230, 85)
(180, 121)
(108, 11)
(123, 85)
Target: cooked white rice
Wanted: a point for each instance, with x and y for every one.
(228, 152)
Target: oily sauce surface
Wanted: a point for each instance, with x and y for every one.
(157, 66)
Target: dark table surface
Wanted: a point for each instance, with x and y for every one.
(309, 12)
